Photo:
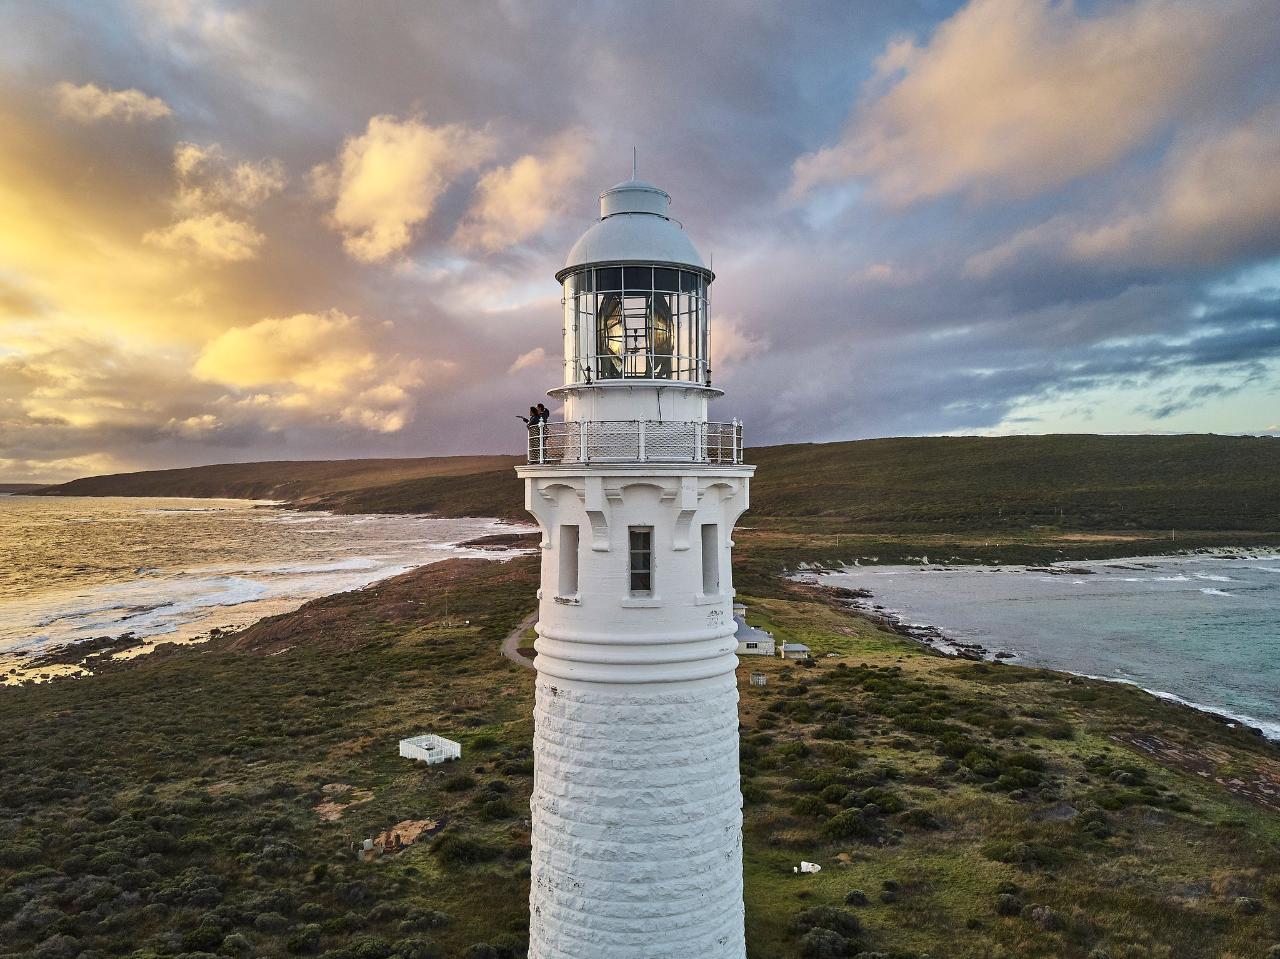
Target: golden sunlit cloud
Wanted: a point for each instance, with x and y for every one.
(513, 203)
(1013, 96)
(386, 181)
(212, 235)
(314, 363)
(210, 185)
(90, 103)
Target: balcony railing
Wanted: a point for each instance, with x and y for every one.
(636, 441)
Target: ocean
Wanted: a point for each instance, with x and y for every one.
(1203, 629)
(168, 569)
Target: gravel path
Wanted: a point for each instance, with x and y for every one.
(511, 645)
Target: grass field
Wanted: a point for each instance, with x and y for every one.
(204, 801)
(176, 804)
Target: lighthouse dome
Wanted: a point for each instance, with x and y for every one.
(634, 226)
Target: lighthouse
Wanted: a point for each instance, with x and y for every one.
(637, 804)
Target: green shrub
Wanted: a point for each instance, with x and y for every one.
(497, 809)
(819, 943)
(810, 806)
(303, 940)
(801, 786)
(850, 824)
(1008, 905)
(459, 850)
(833, 793)
(920, 819)
(882, 799)
(416, 949)
(838, 920)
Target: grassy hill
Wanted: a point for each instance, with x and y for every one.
(912, 485)
(1072, 481)
(298, 481)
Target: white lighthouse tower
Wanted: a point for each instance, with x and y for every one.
(637, 806)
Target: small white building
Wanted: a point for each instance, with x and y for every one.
(430, 749)
(794, 651)
(751, 641)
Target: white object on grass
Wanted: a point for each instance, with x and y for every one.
(430, 748)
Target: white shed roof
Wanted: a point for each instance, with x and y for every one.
(634, 225)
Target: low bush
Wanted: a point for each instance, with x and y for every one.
(461, 850)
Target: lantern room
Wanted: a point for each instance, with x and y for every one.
(635, 296)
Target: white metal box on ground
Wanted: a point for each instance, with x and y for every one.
(430, 749)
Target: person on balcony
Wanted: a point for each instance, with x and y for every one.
(534, 421)
(543, 413)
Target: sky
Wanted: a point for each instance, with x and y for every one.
(235, 232)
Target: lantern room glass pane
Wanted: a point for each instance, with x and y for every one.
(639, 326)
(637, 278)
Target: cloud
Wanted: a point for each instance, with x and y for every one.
(513, 203)
(207, 178)
(386, 181)
(1215, 198)
(1014, 96)
(535, 357)
(213, 199)
(90, 103)
(732, 345)
(212, 235)
(1219, 197)
(314, 364)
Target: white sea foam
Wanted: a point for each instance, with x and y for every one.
(205, 565)
(1209, 591)
(1214, 578)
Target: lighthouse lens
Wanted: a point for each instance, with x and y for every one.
(635, 322)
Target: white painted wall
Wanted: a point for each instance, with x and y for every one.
(637, 818)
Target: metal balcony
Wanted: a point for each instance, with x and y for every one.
(636, 441)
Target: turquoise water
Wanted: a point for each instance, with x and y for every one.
(1203, 629)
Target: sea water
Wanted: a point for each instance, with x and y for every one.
(76, 568)
(1201, 628)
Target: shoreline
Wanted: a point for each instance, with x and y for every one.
(862, 602)
(78, 658)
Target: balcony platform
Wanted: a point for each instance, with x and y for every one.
(636, 441)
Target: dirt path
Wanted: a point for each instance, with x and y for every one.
(511, 645)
